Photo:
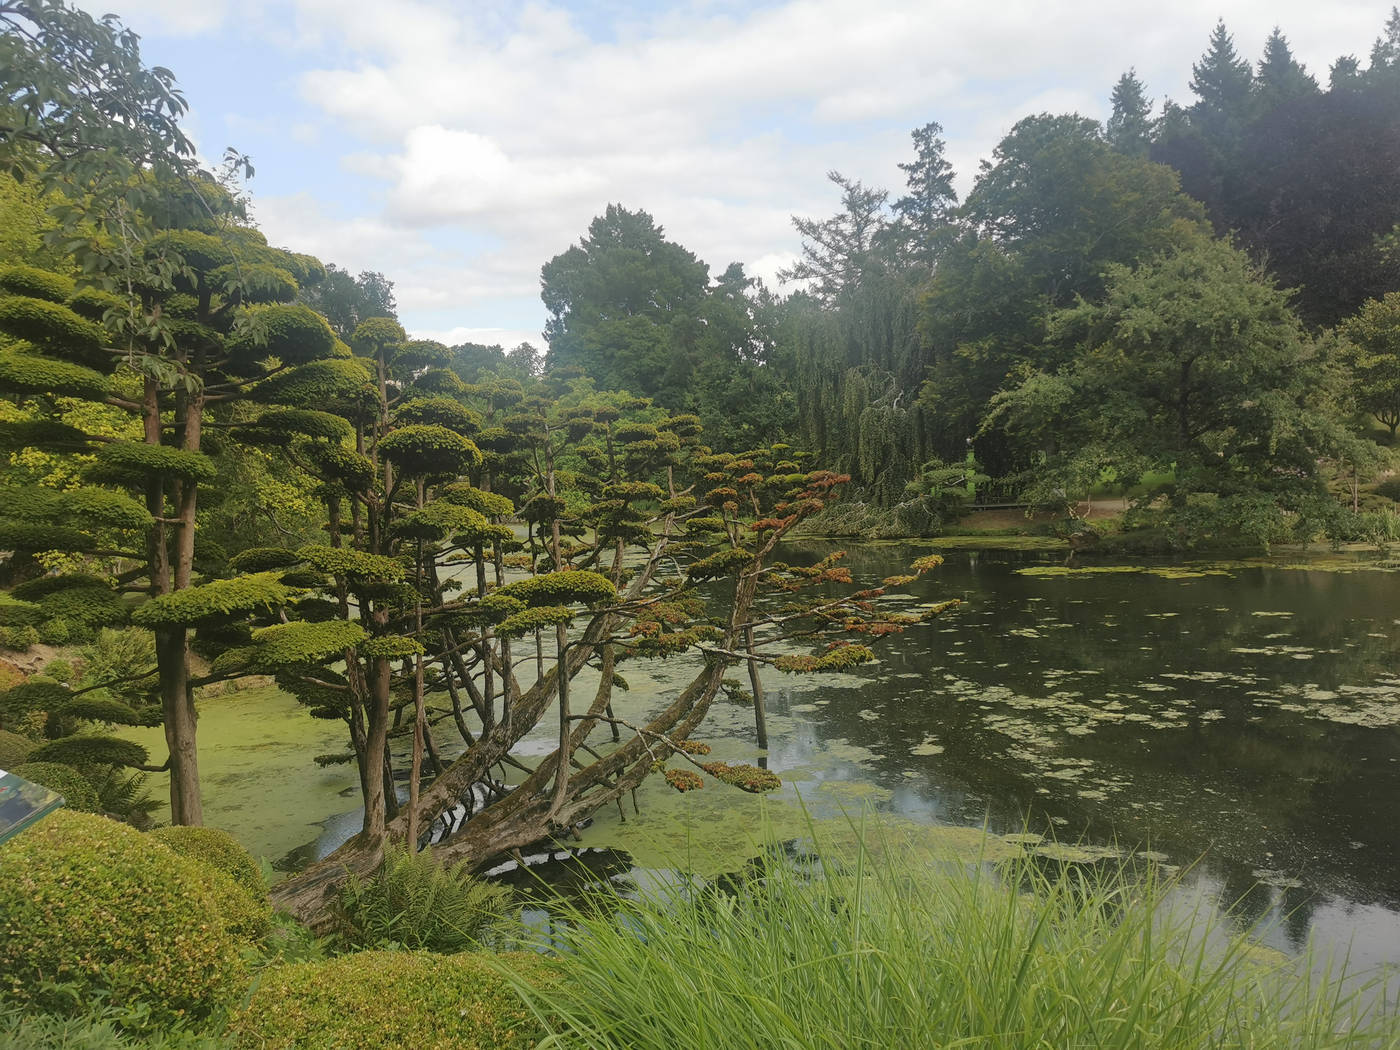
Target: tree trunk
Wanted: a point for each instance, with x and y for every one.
(376, 744)
(177, 709)
(760, 713)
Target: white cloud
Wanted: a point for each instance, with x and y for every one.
(494, 131)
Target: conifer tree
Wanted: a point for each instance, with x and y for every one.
(924, 212)
(1281, 79)
(1129, 128)
(1221, 80)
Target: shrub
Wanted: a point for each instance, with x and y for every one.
(216, 849)
(20, 639)
(78, 794)
(122, 794)
(1390, 489)
(14, 749)
(418, 903)
(371, 1000)
(240, 888)
(90, 908)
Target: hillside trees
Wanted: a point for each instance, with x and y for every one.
(1192, 363)
(1053, 209)
(1305, 179)
(637, 312)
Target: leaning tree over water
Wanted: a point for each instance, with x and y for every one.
(422, 610)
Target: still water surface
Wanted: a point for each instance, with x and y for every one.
(1241, 718)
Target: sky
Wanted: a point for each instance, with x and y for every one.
(456, 147)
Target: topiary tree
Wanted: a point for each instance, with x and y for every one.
(639, 543)
(207, 319)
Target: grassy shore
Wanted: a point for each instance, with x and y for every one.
(861, 953)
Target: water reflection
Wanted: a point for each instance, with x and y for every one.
(1237, 717)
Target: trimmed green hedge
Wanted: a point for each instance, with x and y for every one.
(89, 906)
(373, 1000)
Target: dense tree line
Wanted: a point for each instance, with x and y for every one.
(912, 324)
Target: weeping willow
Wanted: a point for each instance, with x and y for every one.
(856, 368)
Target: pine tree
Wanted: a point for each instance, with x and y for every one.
(1385, 53)
(1221, 80)
(1129, 129)
(1281, 79)
(924, 212)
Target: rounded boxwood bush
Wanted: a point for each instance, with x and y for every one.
(216, 849)
(370, 1000)
(92, 907)
(78, 794)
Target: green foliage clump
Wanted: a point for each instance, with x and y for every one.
(131, 462)
(630, 490)
(19, 639)
(279, 426)
(55, 330)
(427, 449)
(216, 849)
(528, 621)
(263, 559)
(838, 659)
(93, 303)
(78, 794)
(40, 586)
(491, 504)
(90, 605)
(557, 588)
(37, 693)
(22, 373)
(236, 884)
(91, 750)
(91, 907)
(345, 465)
(291, 332)
(357, 565)
(388, 1000)
(389, 647)
(14, 749)
(216, 600)
(721, 563)
(441, 411)
(300, 642)
(315, 384)
(16, 613)
(436, 520)
(744, 776)
(416, 902)
(32, 536)
(35, 283)
(51, 435)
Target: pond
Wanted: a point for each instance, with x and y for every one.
(1240, 718)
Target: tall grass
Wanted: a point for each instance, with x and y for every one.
(863, 954)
